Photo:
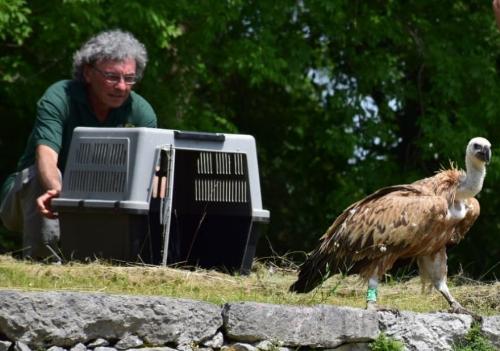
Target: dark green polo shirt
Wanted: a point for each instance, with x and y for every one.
(65, 106)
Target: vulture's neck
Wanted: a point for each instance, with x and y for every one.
(472, 184)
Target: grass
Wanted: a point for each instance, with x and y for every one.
(384, 343)
(474, 341)
(267, 283)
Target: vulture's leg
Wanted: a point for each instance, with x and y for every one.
(371, 293)
(435, 268)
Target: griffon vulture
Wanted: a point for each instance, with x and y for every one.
(411, 221)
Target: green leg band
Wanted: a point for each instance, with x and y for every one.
(371, 294)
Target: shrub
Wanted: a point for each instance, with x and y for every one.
(385, 343)
(474, 341)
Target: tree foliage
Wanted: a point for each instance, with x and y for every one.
(342, 96)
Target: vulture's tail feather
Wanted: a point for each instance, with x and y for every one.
(313, 272)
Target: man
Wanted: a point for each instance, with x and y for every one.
(100, 94)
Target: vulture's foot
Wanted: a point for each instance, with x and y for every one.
(457, 308)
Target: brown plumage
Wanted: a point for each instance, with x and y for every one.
(399, 222)
(372, 234)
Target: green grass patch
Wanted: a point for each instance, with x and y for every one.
(474, 341)
(385, 343)
(266, 283)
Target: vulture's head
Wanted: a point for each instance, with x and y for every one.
(479, 151)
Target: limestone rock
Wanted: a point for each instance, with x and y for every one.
(185, 347)
(318, 326)
(5, 345)
(21, 346)
(491, 329)
(239, 346)
(353, 347)
(79, 347)
(266, 345)
(98, 342)
(67, 318)
(216, 342)
(426, 332)
(128, 342)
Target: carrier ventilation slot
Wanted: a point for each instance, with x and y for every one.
(99, 167)
(220, 163)
(221, 190)
(97, 181)
(221, 177)
(102, 154)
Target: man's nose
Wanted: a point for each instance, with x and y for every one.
(121, 84)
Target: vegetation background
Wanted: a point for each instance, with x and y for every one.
(342, 96)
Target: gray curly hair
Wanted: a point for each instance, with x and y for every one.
(114, 45)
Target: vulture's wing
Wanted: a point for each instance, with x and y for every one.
(394, 222)
(463, 226)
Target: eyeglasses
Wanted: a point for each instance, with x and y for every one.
(115, 78)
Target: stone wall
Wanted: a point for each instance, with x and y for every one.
(83, 321)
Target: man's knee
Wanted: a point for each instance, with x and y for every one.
(38, 233)
(19, 213)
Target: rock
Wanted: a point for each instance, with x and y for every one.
(98, 342)
(56, 320)
(491, 329)
(68, 318)
(422, 332)
(266, 345)
(128, 342)
(317, 326)
(239, 347)
(21, 346)
(79, 347)
(353, 347)
(216, 342)
(5, 345)
(185, 347)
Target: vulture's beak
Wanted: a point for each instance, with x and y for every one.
(484, 154)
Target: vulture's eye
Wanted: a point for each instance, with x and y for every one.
(477, 146)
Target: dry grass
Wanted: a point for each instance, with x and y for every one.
(267, 283)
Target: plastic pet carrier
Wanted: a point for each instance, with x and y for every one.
(161, 196)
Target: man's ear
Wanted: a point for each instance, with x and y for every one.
(86, 73)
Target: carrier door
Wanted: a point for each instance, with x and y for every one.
(212, 211)
(161, 203)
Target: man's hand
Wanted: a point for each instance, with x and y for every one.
(496, 11)
(49, 177)
(43, 203)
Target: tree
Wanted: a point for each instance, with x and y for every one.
(342, 96)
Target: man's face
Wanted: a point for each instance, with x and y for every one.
(107, 82)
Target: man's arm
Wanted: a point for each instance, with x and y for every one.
(49, 177)
(496, 11)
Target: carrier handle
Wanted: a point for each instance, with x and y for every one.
(200, 136)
